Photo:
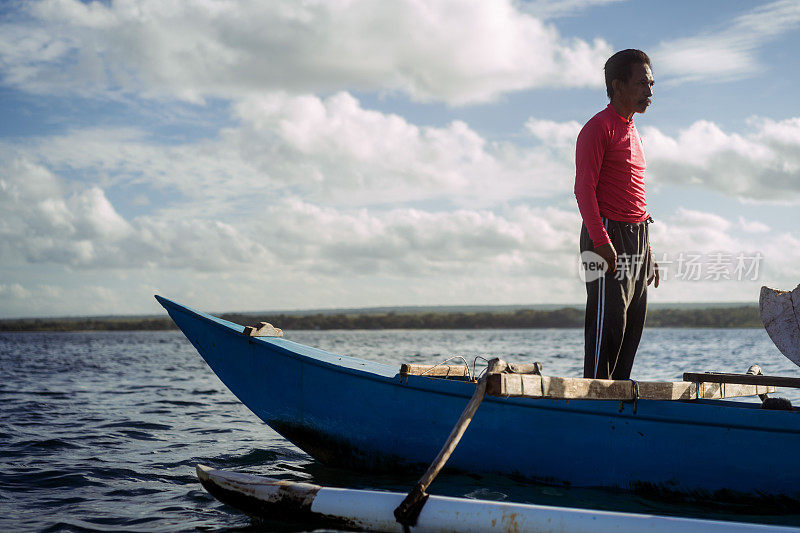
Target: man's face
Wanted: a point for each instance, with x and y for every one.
(634, 94)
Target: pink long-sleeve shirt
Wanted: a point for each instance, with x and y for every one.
(609, 173)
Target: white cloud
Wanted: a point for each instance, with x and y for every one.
(730, 52)
(46, 224)
(762, 165)
(293, 253)
(213, 171)
(439, 50)
(48, 221)
(13, 291)
(299, 204)
(86, 299)
(328, 151)
(717, 247)
(43, 223)
(752, 226)
(412, 242)
(689, 230)
(336, 151)
(310, 180)
(559, 136)
(334, 257)
(549, 9)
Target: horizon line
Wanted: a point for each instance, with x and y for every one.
(391, 308)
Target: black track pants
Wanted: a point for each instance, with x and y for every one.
(616, 303)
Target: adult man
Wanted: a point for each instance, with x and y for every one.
(609, 187)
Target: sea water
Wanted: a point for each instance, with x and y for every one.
(101, 431)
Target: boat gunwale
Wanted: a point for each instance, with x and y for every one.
(233, 328)
(440, 386)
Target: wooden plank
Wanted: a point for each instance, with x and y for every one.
(746, 379)
(718, 391)
(532, 386)
(434, 371)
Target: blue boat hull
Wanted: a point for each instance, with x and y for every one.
(364, 415)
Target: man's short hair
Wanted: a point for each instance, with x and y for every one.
(618, 67)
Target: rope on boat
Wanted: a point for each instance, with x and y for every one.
(635, 387)
(475, 362)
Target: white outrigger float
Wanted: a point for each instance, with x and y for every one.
(369, 510)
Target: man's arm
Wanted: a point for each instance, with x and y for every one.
(589, 150)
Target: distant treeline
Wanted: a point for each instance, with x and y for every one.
(567, 317)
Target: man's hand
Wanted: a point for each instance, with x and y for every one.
(655, 275)
(609, 255)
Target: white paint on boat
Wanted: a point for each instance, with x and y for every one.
(373, 510)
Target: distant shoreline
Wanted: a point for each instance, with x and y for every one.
(744, 316)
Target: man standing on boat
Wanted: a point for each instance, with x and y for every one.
(609, 187)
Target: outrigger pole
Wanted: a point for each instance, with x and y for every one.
(408, 511)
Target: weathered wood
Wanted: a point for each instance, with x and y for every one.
(435, 371)
(525, 368)
(532, 386)
(745, 379)
(780, 314)
(499, 365)
(718, 391)
(263, 329)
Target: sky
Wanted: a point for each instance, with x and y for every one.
(350, 153)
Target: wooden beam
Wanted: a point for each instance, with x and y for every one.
(532, 386)
(434, 371)
(746, 379)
